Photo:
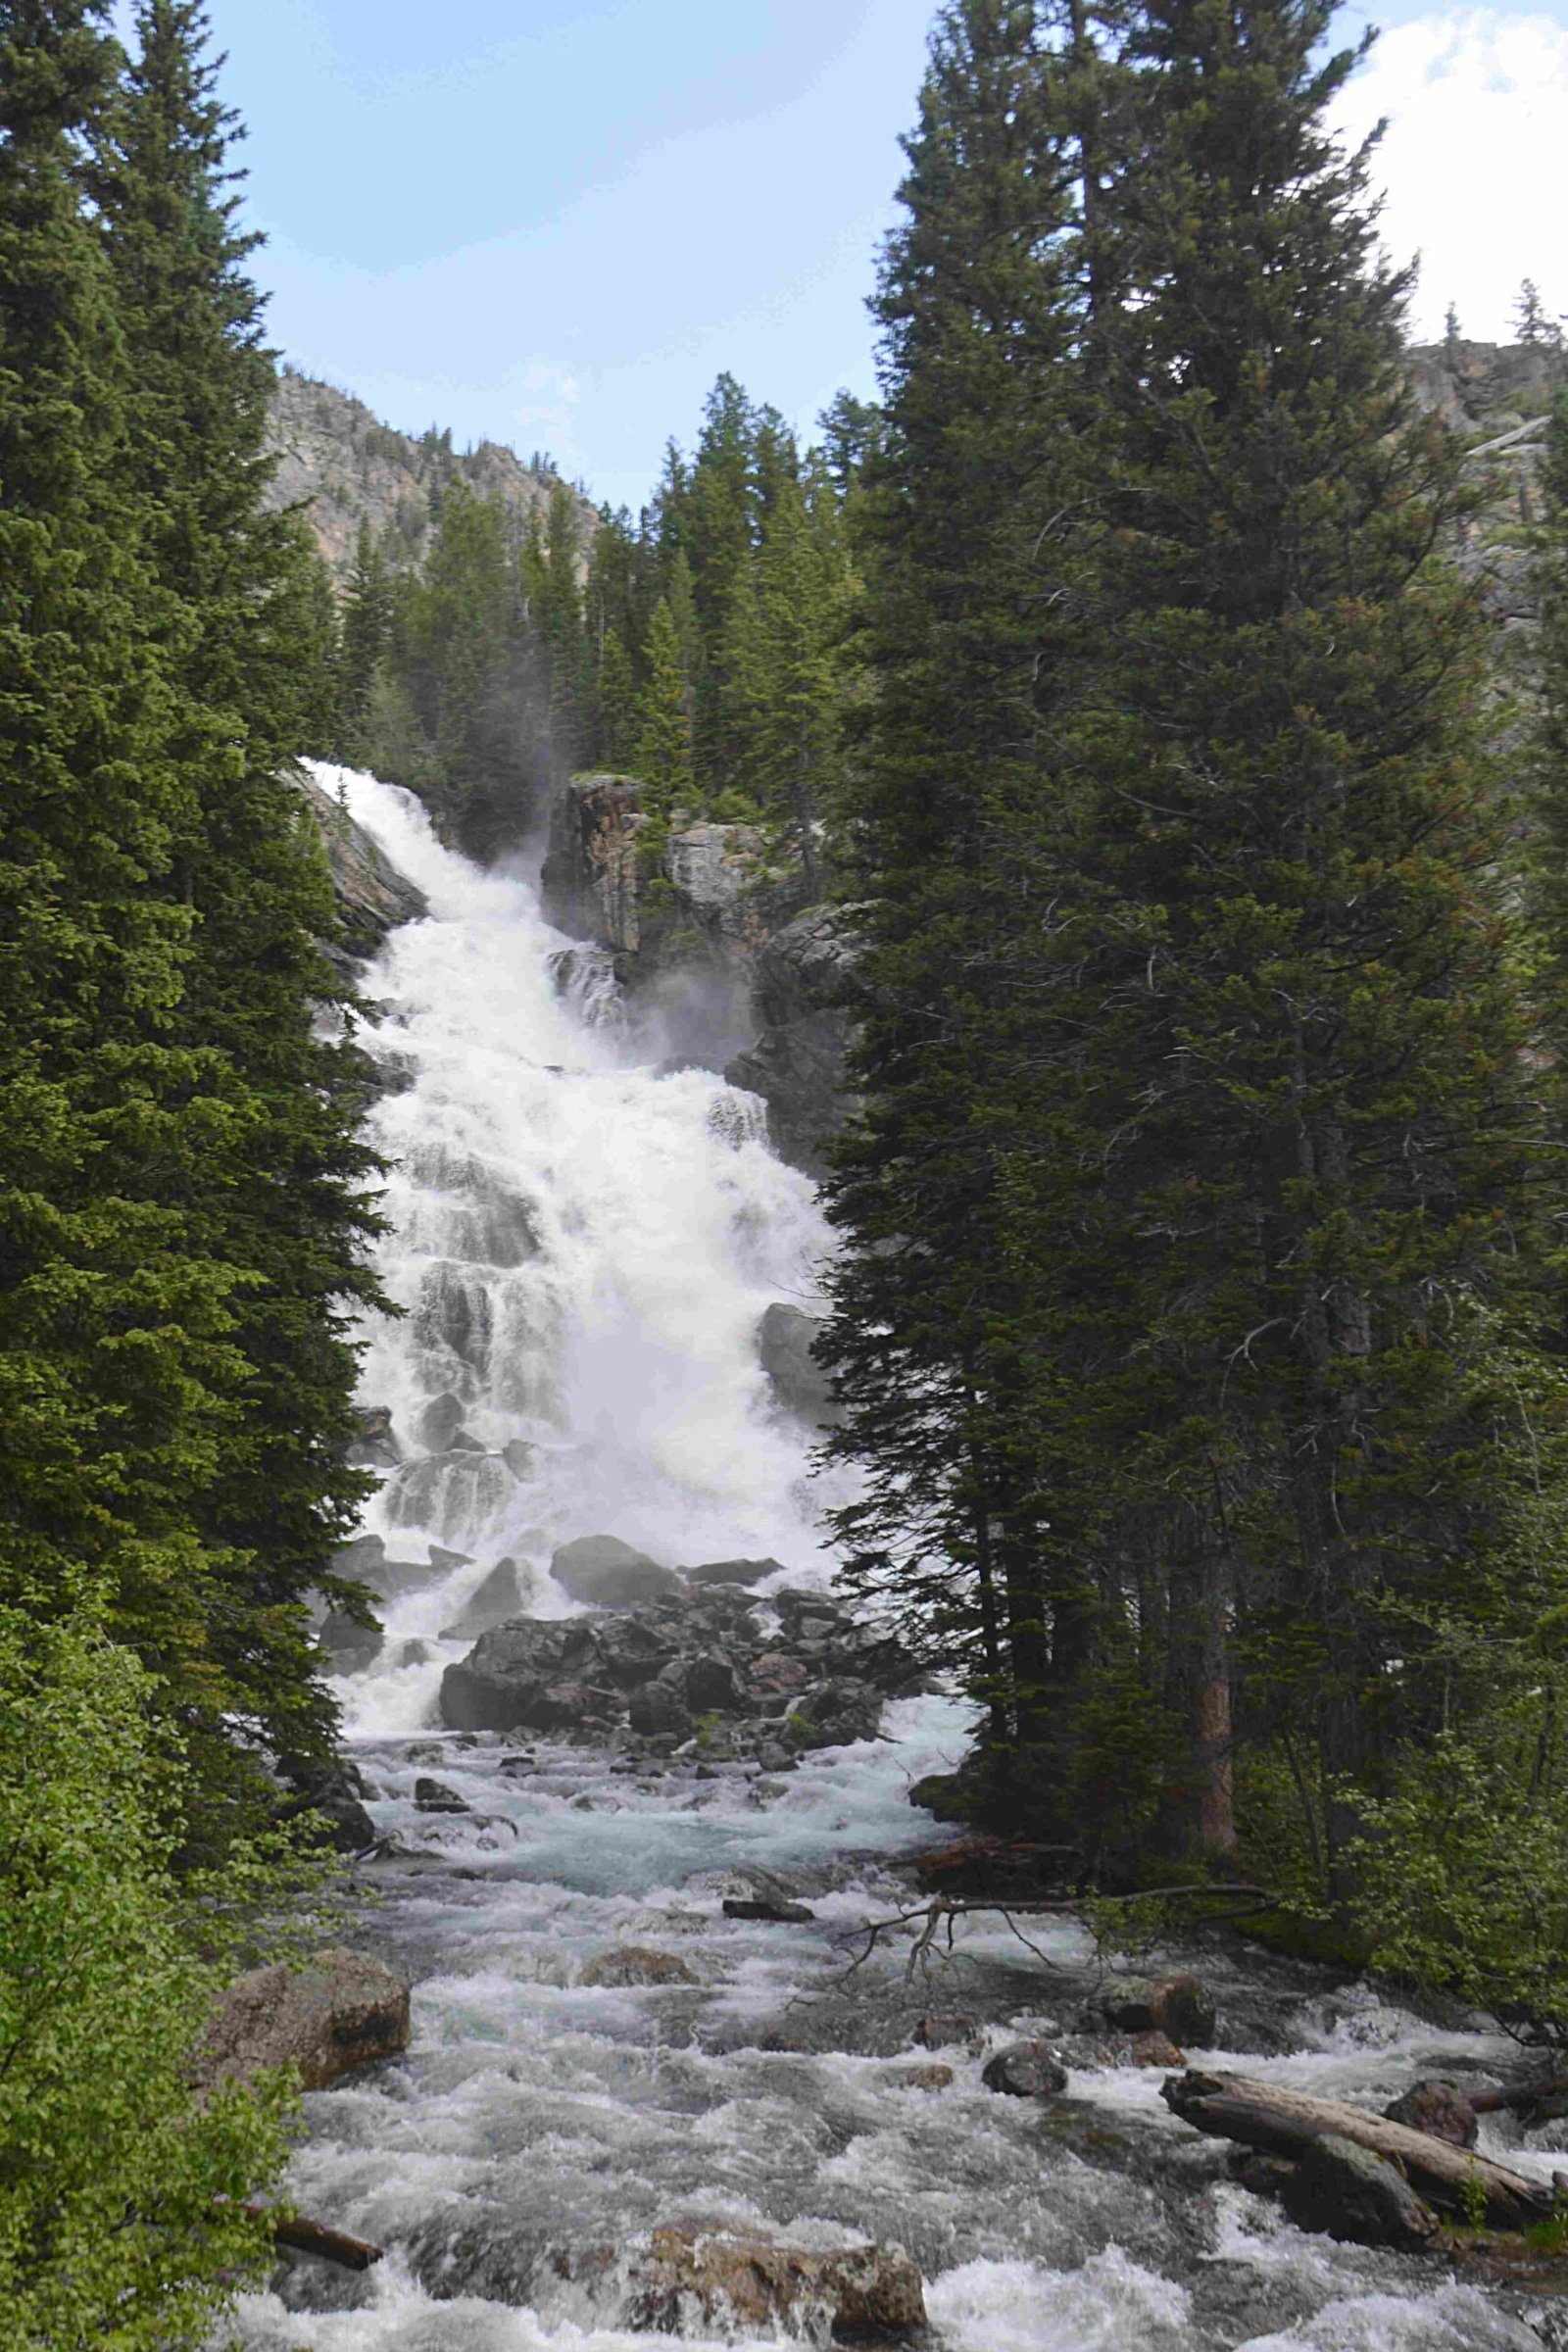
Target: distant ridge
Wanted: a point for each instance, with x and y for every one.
(337, 458)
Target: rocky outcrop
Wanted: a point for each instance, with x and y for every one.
(342, 2010)
(742, 1678)
(604, 1573)
(346, 469)
(372, 897)
(1343, 2191)
(590, 876)
(1496, 397)
(786, 1341)
(801, 994)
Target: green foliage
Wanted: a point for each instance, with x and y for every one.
(663, 753)
(120, 2189)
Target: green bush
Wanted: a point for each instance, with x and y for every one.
(121, 2222)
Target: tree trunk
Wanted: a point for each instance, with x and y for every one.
(1283, 2123)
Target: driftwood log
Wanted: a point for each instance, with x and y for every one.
(1522, 2095)
(304, 2236)
(1285, 2123)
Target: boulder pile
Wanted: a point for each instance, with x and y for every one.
(708, 1663)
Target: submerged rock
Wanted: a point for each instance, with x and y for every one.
(434, 1796)
(766, 1908)
(1341, 2190)
(340, 2011)
(604, 1573)
(373, 1445)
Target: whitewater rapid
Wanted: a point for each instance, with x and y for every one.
(584, 1244)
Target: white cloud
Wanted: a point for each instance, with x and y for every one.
(1474, 161)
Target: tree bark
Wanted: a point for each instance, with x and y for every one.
(304, 2236)
(1283, 2123)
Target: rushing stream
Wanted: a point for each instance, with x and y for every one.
(584, 1246)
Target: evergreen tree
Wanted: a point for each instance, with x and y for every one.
(1531, 324)
(960, 538)
(662, 757)
(275, 1189)
(616, 704)
(367, 637)
(117, 1378)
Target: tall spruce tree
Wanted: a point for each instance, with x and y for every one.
(961, 535)
(117, 1378)
(367, 636)
(276, 1189)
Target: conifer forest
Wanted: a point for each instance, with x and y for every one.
(783, 1367)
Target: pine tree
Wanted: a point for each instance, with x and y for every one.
(274, 1188)
(617, 694)
(117, 1378)
(367, 637)
(662, 756)
(1531, 324)
(960, 536)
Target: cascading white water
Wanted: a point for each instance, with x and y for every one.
(583, 1248)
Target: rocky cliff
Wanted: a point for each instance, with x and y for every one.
(1496, 397)
(335, 459)
(373, 895)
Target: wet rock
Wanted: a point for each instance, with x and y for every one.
(1176, 2005)
(1343, 2191)
(334, 1793)
(944, 2033)
(925, 2078)
(443, 1561)
(507, 1592)
(659, 1710)
(1264, 2176)
(350, 1646)
(687, 2276)
(630, 1964)
(373, 1445)
(734, 1572)
(461, 1486)
(786, 1338)
(1025, 2069)
(803, 980)
(604, 1573)
(372, 897)
(1155, 2049)
(518, 1457)
(434, 1796)
(519, 1677)
(829, 1714)
(709, 1685)
(342, 2010)
(766, 1907)
(438, 1420)
(1440, 2108)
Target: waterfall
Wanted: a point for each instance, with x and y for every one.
(582, 1246)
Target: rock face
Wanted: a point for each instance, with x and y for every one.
(711, 1668)
(802, 992)
(506, 1592)
(347, 470)
(342, 2010)
(372, 897)
(688, 2277)
(604, 1573)
(1496, 397)
(590, 870)
(786, 1338)
(1341, 2190)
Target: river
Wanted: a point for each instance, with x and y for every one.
(584, 1240)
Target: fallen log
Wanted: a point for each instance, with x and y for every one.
(1285, 2123)
(300, 2235)
(1522, 2095)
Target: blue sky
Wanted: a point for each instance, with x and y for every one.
(554, 224)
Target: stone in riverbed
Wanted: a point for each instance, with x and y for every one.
(747, 2281)
(734, 1572)
(506, 1592)
(766, 1907)
(1440, 2108)
(434, 1796)
(628, 1964)
(604, 1573)
(1176, 2005)
(340, 2011)
(1025, 2069)
(1343, 2191)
